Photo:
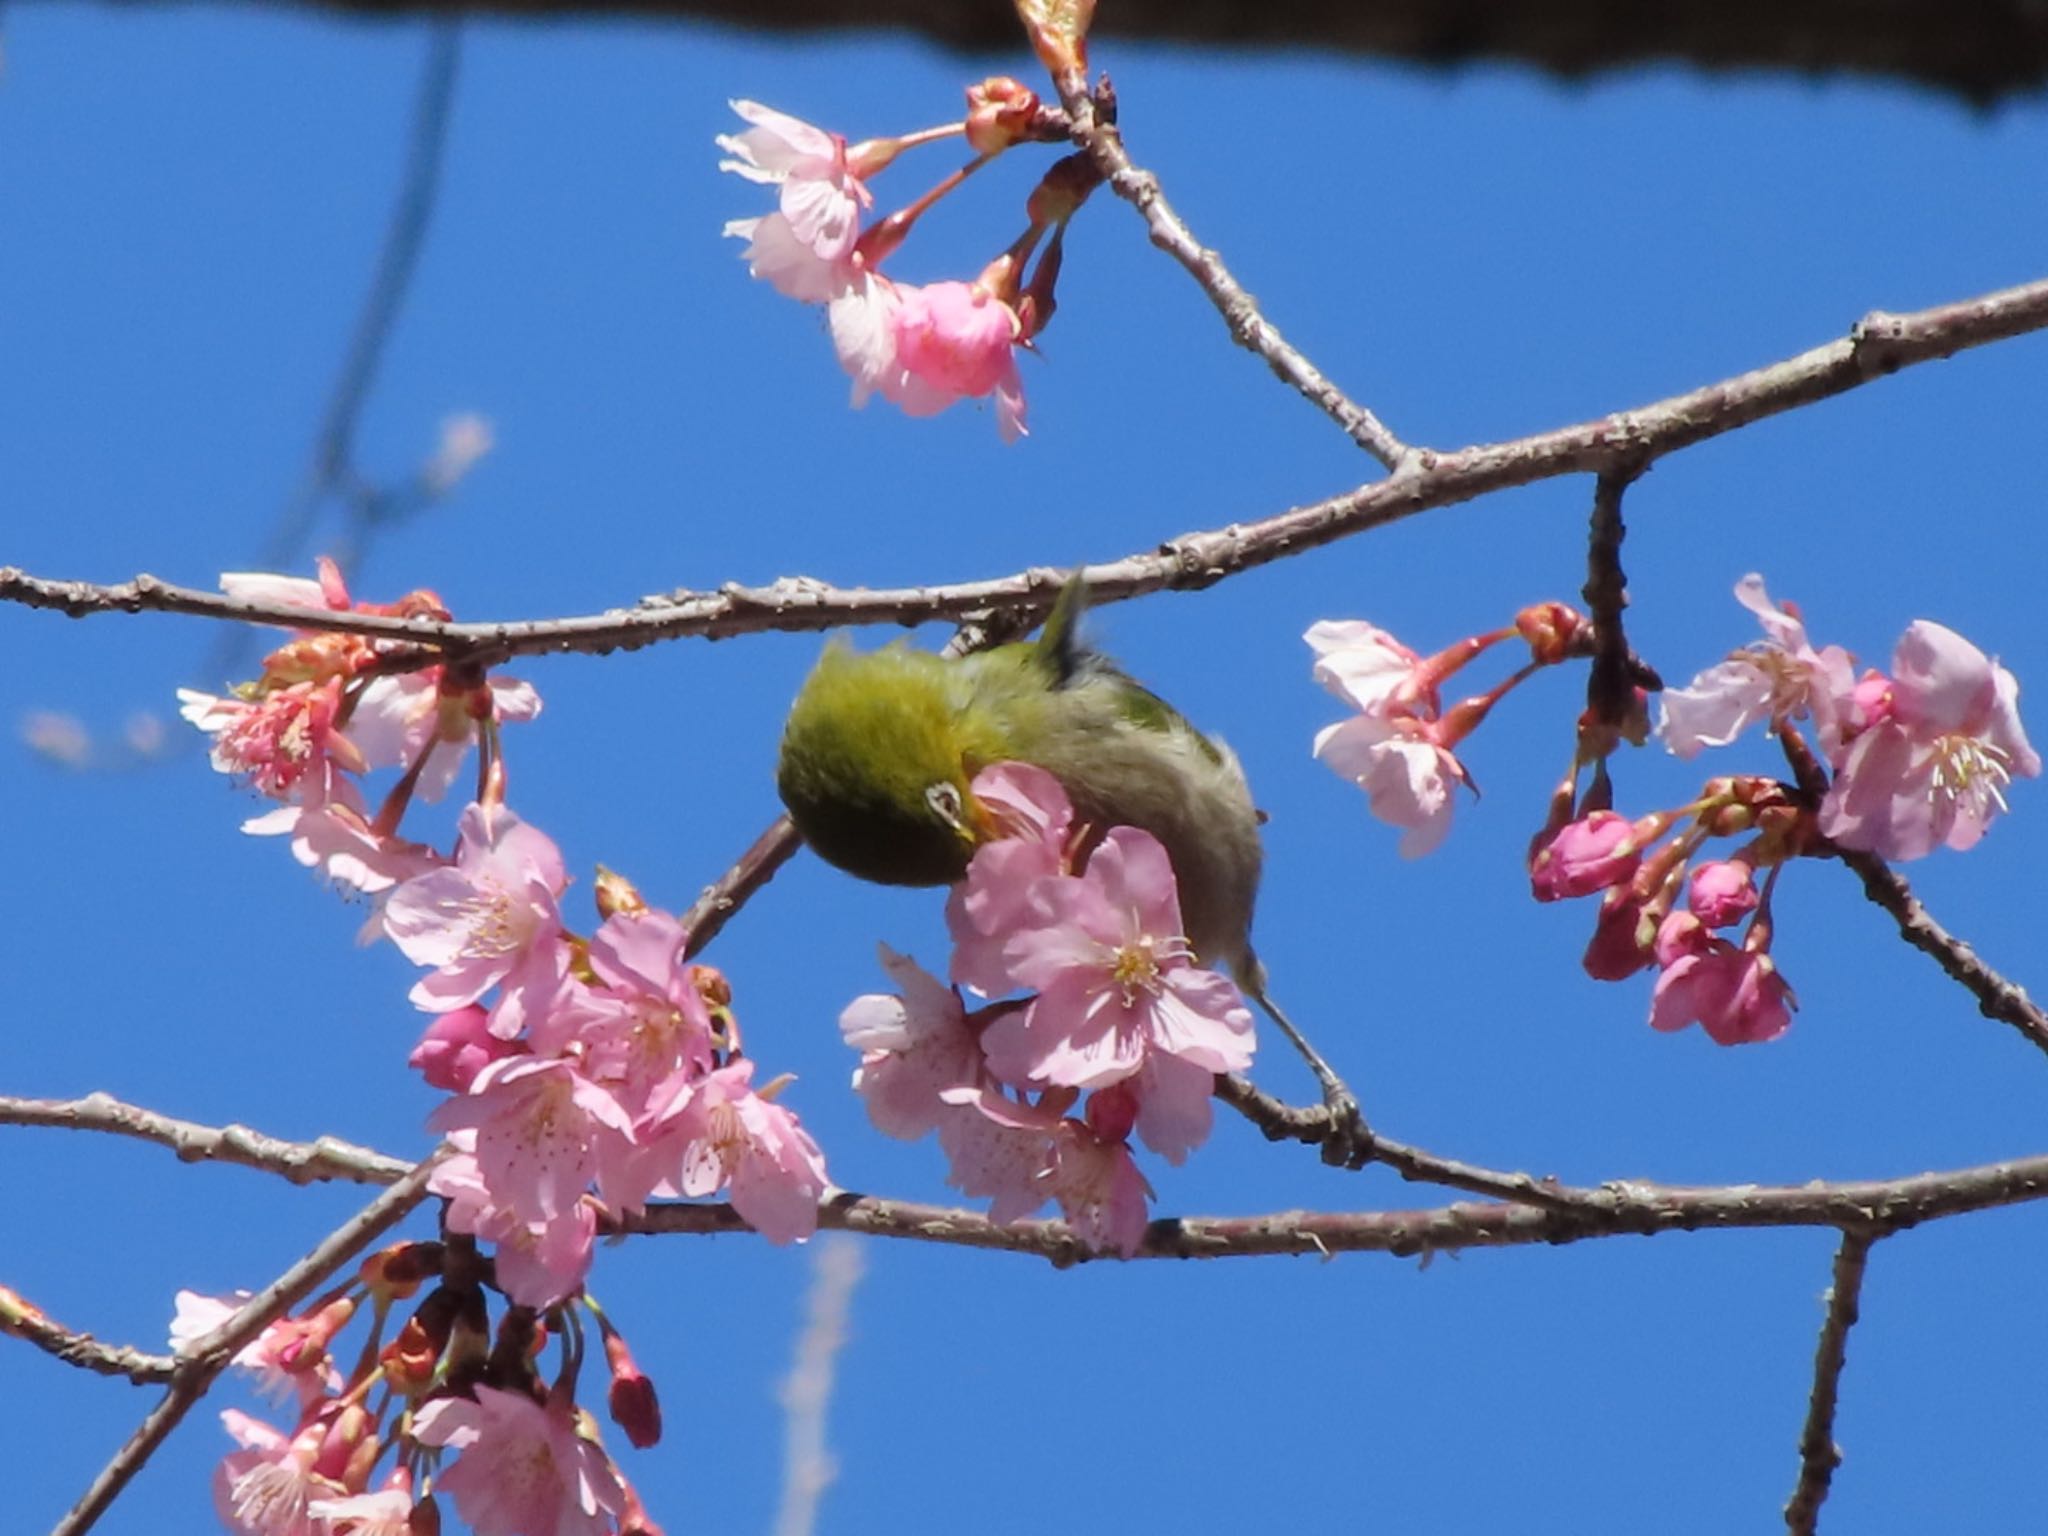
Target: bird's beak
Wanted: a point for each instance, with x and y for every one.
(977, 824)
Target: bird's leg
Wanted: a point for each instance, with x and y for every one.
(1349, 1143)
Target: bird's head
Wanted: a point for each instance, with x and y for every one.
(875, 767)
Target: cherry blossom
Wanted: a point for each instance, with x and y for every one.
(914, 1045)
(524, 1469)
(1024, 1155)
(1115, 978)
(397, 719)
(925, 348)
(537, 1263)
(489, 919)
(1031, 808)
(1722, 893)
(266, 1488)
(706, 1133)
(1934, 770)
(543, 1133)
(1779, 678)
(1406, 776)
(804, 248)
(1369, 669)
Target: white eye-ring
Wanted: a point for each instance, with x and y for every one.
(944, 800)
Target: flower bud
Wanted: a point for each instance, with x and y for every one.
(631, 1401)
(1000, 113)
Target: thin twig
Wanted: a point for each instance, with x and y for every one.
(1997, 998)
(1818, 1453)
(206, 1357)
(301, 1162)
(1880, 345)
(722, 900)
(1094, 131)
(21, 1319)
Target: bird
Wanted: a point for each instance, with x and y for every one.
(881, 749)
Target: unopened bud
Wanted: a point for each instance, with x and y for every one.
(1000, 113)
(1062, 190)
(632, 1401)
(616, 894)
(425, 1518)
(1552, 629)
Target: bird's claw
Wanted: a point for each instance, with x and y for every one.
(1348, 1143)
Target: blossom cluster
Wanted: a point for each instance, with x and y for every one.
(1087, 921)
(587, 1073)
(528, 1459)
(1899, 764)
(919, 346)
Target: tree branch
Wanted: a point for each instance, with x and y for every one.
(1997, 998)
(1249, 328)
(1880, 344)
(22, 1320)
(1818, 1454)
(302, 1162)
(1978, 50)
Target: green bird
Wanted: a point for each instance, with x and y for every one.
(881, 749)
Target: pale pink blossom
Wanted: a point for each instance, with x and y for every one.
(1779, 678)
(1032, 810)
(274, 1357)
(914, 1046)
(543, 1133)
(1934, 771)
(1407, 778)
(820, 195)
(1028, 1155)
(328, 594)
(1736, 995)
(706, 1133)
(1596, 851)
(330, 831)
(398, 718)
(491, 918)
(524, 1469)
(385, 1512)
(776, 256)
(1722, 893)
(1115, 978)
(266, 1488)
(1369, 669)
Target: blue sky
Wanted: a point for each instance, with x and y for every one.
(193, 199)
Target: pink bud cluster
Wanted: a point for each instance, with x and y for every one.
(1914, 760)
(920, 346)
(1089, 925)
(528, 1458)
(1401, 746)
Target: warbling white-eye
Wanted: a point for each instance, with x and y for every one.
(882, 747)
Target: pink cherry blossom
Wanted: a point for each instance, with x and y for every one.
(1779, 678)
(1032, 808)
(1115, 978)
(543, 1133)
(277, 1358)
(491, 918)
(1934, 771)
(537, 1263)
(914, 1045)
(705, 1133)
(1722, 893)
(273, 738)
(650, 1019)
(1406, 776)
(524, 1469)
(1736, 995)
(1025, 1155)
(923, 349)
(1598, 850)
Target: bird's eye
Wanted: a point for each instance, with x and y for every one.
(944, 800)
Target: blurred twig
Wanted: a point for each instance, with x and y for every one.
(807, 1464)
